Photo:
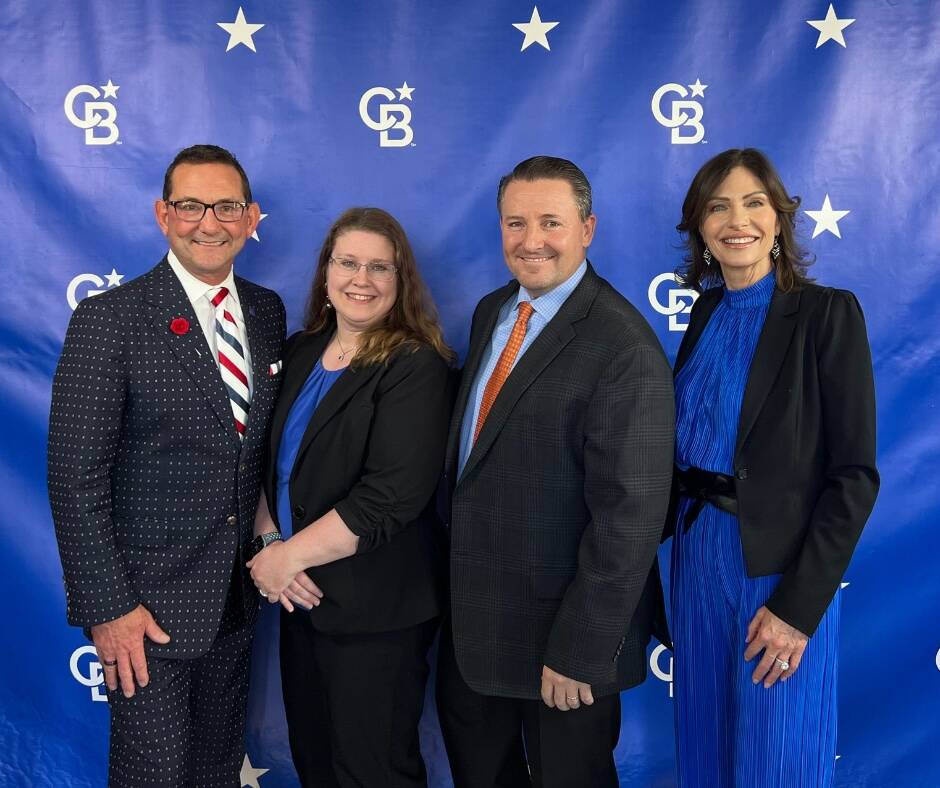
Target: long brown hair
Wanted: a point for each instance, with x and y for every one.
(412, 320)
(789, 267)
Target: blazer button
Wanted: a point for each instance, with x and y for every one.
(231, 520)
(741, 473)
(299, 512)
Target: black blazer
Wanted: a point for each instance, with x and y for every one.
(804, 459)
(152, 491)
(373, 450)
(556, 518)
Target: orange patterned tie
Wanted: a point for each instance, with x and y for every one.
(504, 365)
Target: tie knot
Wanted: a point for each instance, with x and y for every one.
(219, 297)
(525, 312)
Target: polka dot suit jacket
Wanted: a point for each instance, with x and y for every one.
(153, 494)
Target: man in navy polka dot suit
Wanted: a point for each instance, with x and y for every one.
(154, 464)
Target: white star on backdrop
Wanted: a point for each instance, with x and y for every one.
(830, 28)
(249, 774)
(404, 92)
(110, 90)
(535, 30)
(114, 278)
(827, 219)
(698, 89)
(255, 233)
(240, 31)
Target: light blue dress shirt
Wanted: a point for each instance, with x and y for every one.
(545, 308)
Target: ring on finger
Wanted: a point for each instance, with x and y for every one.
(109, 663)
(782, 663)
(571, 700)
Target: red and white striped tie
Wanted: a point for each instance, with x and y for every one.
(232, 365)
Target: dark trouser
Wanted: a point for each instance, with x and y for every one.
(508, 742)
(186, 728)
(353, 703)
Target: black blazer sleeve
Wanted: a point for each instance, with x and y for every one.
(847, 394)
(405, 450)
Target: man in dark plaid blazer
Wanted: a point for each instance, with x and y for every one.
(559, 462)
(154, 481)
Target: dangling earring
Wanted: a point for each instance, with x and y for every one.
(707, 256)
(329, 304)
(775, 249)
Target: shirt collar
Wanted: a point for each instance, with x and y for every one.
(196, 288)
(547, 305)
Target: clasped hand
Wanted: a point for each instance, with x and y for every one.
(279, 578)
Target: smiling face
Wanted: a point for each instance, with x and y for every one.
(544, 237)
(206, 248)
(739, 228)
(360, 300)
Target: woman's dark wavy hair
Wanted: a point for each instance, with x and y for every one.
(789, 268)
(412, 320)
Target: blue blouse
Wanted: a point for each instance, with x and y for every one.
(710, 387)
(314, 390)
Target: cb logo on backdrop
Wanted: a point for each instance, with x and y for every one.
(96, 116)
(76, 290)
(86, 670)
(682, 114)
(660, 656)
(679, 300)
(393, 116)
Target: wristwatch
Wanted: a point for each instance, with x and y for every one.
(261, 541)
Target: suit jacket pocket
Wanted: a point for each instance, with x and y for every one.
(550, 583)
(141, 533)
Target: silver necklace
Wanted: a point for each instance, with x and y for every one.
(342, 355)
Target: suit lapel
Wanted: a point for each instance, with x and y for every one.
(471, 367)
(547, 345)
(307, 349)
(169, 299)
(768, 356)
(345, 386)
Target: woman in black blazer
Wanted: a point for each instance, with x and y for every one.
(775, 478)
(347, 528)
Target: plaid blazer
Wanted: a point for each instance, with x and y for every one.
(555, 520)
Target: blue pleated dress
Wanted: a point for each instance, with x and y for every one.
(729, 731)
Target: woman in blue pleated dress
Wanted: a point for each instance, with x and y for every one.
(775, 478)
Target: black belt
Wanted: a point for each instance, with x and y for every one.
(706, 487)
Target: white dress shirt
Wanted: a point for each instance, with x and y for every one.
(200, 296)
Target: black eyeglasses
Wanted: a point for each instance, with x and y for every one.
(193, 210)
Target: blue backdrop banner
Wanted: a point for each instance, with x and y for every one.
(419, 107)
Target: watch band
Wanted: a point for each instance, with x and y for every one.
(263, 540)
